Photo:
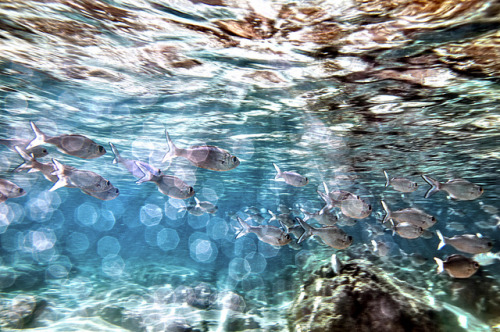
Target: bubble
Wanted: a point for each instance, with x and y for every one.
(268, 250)
(198, 222)
(257, 262)
(244, 246)
(217, 228)
(77, 243)
(58, 219)
(108, 245)
(106, 222)
(16, 103)
(175, 209)
(151, 214)
(239, 268)
(42, 240)
(201, 248)
(87, 214)
(167, 239)
(39, 210)
(151, 234)
(113, 266)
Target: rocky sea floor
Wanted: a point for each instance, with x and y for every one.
(308, 296)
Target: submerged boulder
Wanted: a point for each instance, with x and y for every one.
(363, 298)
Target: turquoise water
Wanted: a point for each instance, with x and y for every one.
(336, 91)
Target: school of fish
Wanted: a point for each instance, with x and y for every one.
(409, 223)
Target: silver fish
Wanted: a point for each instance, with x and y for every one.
(380, 248)
(74, 145)
(10, 190)
(37, 151)
(283, 218)
(323, 216)
(330, 235)
(407, 230)
(457, 266)
(266, 233)
(209, 207)
(400, 184)
(203, 156)
(33, 165)
(411, 215)
(131, 165)
(69, 176)
(458, 189)
(107, 195)
(471, 244)
(335, 197)
(291, 178)
(168, 185)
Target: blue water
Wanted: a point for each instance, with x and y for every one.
(124, 73)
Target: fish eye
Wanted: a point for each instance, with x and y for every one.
(190, 190)
(234, 159)
(369, 207)
(45, 151)
(415, 184)
(159, 172)
(349, 238)
(287, 236)
(108, 183)
(433, 219)
(489, 244)
(476, 265)
(20, 190)
(117, 191)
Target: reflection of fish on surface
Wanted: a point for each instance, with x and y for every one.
(168, 185)
(469, 243)
(411, 215)
(330, 235)
(203, 156)
(400, 184)
(131, 165)
(266, 233)
(69, 176)
(9, 189)
(74, 145)
(37, 151)
(457, 266)
(291, 178)
(458, 189)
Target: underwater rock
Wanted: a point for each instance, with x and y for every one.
(363, 298)
(118, 315)
(21, 311)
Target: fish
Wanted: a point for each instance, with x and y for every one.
(37, 151)
(32, 165)
(458, 189)
(283, 218)
(335, 197)
(10, 190)
(380, 248)
(107, 195)
(400, 184)
(486, 258)
(69, 176)
(457, 266)
(131, 165)
(266, 233)
(73, 145)
(323, 216)
(168, 185)
(406, 230)
(209, 207)
(203, 156)
(330, 235)
(411, 215)
(469, 243)
(291, 178)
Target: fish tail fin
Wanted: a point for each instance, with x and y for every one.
(273, 216)
(435, 185)
(115, 152)
(173, 151)
(442, 241)
(440, 264)
(375, 246)
(387, 212)
(336, 264)
(59, 172)
(308, 230)
(387, 180)
(39, 139)
(393, 227)
(326, 198)
(62, 182)
(28, 160)
(307, 215)
(148, 176)
(245, 228)
(278, 171)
